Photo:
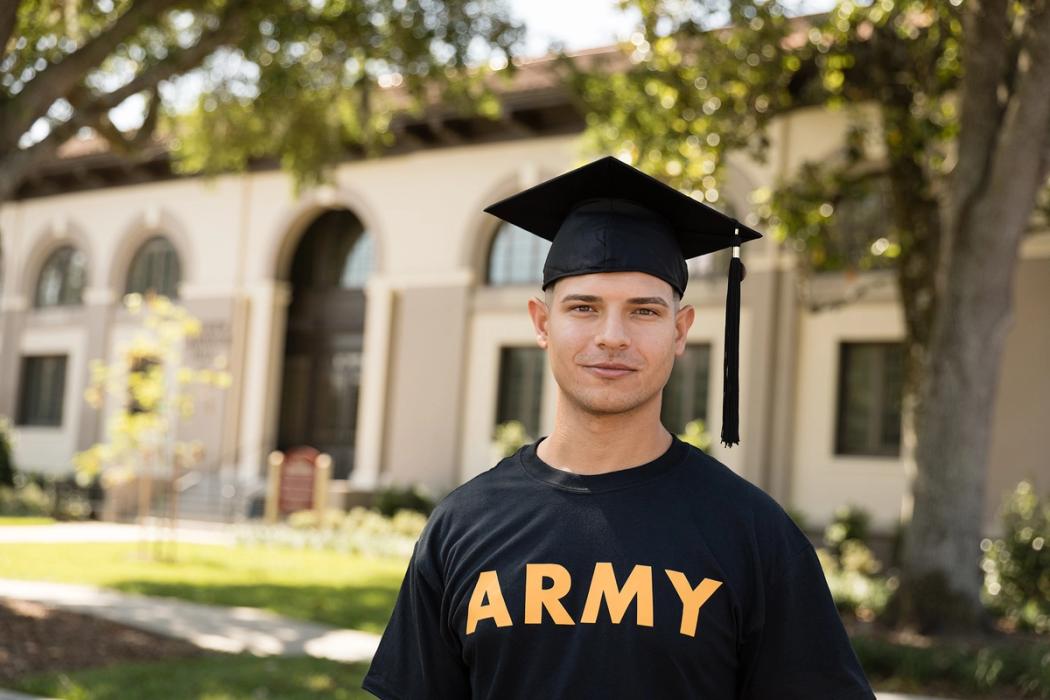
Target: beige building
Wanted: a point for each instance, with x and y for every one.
(383, 319)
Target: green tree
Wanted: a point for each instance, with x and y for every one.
(293, 79)
(953, 167)
(145, 382)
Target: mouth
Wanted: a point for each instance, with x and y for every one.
(609, 370)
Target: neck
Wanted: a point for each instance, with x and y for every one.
(588, 443)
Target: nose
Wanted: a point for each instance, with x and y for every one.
(611, 333)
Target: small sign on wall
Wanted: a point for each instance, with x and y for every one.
(298, 480)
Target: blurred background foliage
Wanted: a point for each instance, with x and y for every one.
(307, 82)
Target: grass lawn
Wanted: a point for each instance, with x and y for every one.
(337, 589)
(24, 520)
(240, 677)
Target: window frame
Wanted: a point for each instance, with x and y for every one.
(503, 351)
(22, 419)
(696, 345)
(876, 427)
(508, 229)
(139, 258)
(77, 297)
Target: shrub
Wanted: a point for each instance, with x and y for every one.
(25, 499)
(854, 580)
(309, 520)
(696, 434)
(7, 463)
(851, 568)
(851, 522)
(1017, 566)
(45, 495)
(359, 531)
(1001, 669)
(509, 436)
(415, 497)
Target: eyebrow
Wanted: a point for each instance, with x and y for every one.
(633, 300)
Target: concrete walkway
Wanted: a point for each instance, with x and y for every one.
(215, 627)
(12, 695)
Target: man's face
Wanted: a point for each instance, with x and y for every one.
(611, 317)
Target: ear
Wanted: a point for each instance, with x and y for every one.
(682, 322)
(540, 315)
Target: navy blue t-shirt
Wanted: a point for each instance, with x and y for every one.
(676, 578)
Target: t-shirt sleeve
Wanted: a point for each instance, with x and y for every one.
(799, 648)
(418, 654)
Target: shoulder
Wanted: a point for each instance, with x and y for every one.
(740, 501)
(476, 490)
(456, 513)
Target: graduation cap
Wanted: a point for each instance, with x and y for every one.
(607, 216)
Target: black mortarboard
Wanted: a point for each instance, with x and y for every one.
(607, 216)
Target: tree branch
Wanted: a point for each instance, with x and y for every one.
(58, 79)
(986, 34)
(1020, 165)
(8, 19)
(149, 122)
(90, 109)
(120, 141)
(17, 164)
(176, 63)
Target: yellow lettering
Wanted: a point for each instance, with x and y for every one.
(692, 598)
(603, 585)
(487, 586)
(537, 597)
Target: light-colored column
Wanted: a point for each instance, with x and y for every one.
(98, 314)
(260, 398)
(13, 310)
(375, 368)
(13, 306)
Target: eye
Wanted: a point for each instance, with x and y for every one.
(581, 306)
(651, 312)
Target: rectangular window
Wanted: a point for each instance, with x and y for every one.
(868, 416)
(520, 394)
(43, 389)
(685, 395)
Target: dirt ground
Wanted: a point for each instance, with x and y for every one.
(37, 639)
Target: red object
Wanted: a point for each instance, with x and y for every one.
(295, 489)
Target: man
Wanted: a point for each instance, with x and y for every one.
(609, 559)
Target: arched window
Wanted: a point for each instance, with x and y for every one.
(155, 266)
(61, 281)
(516, 256)
(358, 265)
(335, 252)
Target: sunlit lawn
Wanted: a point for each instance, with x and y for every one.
(27, 520)
(241, 677)
(343, 590)
(359, 592)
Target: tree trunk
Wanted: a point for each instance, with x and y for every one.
(954, 416)
(1004, 151)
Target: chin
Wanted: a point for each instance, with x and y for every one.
(608, 403)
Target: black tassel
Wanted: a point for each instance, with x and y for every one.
(731, 378)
